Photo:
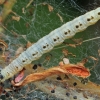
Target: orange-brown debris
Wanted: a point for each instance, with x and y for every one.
(77, 70)
(3, 43)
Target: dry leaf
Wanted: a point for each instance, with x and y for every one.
(17, 18)
(19, 51)
(50, 8)
(28, 44)
(60, 17)
(76, 70)
(67, 87)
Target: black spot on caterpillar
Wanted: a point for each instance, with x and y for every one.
(47, 43)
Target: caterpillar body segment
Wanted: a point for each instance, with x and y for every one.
(34, 52)
(79, 24)
(47, 43)
(56, 37)
(24, 59)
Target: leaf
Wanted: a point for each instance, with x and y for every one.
(76, 70)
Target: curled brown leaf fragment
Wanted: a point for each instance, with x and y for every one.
(76, 70)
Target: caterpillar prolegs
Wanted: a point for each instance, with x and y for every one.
(47, 43)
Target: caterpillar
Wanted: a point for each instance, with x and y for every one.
(45, 44)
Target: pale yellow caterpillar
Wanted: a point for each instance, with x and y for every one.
(47, 43)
